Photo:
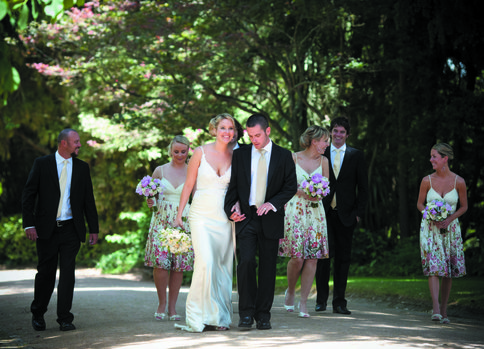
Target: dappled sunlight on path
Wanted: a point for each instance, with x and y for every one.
(117, 312)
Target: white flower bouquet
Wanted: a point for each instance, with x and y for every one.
(176, 240)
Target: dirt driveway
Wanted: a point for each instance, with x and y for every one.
(117, 312)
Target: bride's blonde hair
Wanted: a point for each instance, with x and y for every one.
(212, 127)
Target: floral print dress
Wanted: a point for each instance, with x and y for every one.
(305, 229)
(442, 254)
(156, 255)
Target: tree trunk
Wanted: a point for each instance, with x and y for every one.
(402, 159)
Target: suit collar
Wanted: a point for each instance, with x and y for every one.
(59, 158)
(343, 148)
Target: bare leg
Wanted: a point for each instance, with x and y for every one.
(293, 270)
(434, 292)
(160, 277)
(444, 295)
(307, 278)
(176, 279)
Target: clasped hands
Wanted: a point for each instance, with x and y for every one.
(238, 216)
(442, 224)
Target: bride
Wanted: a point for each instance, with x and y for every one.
(209, 303)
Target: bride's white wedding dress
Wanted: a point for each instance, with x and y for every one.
(209, 301)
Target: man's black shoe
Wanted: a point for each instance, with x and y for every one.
(38, 323)
(264, 325)
(341, 309)
(246, 322)
(320, 307)
(66, 326)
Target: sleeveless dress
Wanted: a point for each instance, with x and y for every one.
(305, 229)
(442, 254)
(209, 301)
(156, 255)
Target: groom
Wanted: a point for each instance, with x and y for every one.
(263, 179)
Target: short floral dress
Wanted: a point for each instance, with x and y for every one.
(156, 255)
(442, 254)
(305, 229)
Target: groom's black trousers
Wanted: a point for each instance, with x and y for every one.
(256, 300)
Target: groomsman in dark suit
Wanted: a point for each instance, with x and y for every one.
(263, 179)
(344, 206)
(57, 196)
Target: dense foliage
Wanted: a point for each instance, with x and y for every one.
(131, 74)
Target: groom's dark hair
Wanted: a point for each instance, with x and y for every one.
(257, 119)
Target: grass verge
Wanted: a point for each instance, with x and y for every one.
(466, 294)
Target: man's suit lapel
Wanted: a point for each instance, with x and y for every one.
(53, 172)
(246, 162)
(74, 177)
(347, 159)
(327, 153)
(275, 158)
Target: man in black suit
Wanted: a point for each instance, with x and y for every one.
(263, 179)
(344, 206)
(57, 196)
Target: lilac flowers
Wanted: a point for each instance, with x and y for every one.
(437, 210)
(149, 187)
(315, 186)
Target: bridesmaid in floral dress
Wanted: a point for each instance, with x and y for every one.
(306, 237)
(442, 254)
(168, 268)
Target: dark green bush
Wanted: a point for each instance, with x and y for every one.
(15, 248)
(130, 246)
(400, 260)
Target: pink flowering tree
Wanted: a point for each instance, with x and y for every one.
(172, 65)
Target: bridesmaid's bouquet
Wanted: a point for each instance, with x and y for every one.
(315, 186)
(149, 187)
(437, 210)
(176, 241)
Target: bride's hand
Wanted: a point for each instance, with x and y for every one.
(178, 223)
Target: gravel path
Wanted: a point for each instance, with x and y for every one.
(117, 312)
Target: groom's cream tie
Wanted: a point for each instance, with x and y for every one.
(336, 167)
(62, 185)
(261, 181)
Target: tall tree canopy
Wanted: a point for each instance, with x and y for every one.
(132, 74)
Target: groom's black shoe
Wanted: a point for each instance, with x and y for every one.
(320, 306)
(246, 322)
(38, 323)
(341, 309)
(264, 325)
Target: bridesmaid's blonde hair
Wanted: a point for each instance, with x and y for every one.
(313, 132)
(178, 139)
(444, 150)
(212, 128)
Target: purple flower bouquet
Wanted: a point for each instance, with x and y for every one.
(315, 186)
(149, 187)
(437, 210)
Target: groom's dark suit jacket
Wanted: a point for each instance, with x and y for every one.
(351, 186)
(41, 196)
(281, 187)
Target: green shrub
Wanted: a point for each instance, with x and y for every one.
(129, 252)
(15, 248)
(401, 260)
